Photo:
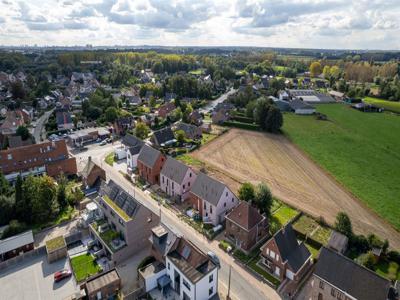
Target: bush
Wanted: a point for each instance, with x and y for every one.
(243, 119)
(14, 228)
(394, 256)
(240, 255)
(224, 245)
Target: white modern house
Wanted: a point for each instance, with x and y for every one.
(212, 198)
(132, 145)
(181, 266)
(176, 179)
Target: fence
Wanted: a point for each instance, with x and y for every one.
(24, 256)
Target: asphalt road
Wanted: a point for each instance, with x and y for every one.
(38, 131)
(212, 104)
(243, 284)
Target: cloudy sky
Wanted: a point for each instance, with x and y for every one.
(355, 24)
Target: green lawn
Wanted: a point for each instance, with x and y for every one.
(388, 105)
(253, 265)
(361, 150)
(390, 270)
(206, 138)
(305, 225)
(84, 266)
(322, 235)
(189, 160)
(282, 216)
(110, 158)
(314, 251)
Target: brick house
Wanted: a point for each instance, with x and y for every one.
(338, 277)
(176, 179)
(284, 257)
(48, 157)
(126, 219)
(149, 163)
(103, 286)
(163, 137)
(245, 226)
(212, 198)
(165, 109)
(92, 174)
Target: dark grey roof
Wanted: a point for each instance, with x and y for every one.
(121, 198)
(130, 140)
(291, 251)
(208, 188)
(338, 241)
(63, 117)
(350, 277)
(164, 243)
(189, 129)
(163, 135)
(148, 155)
(134, 150)
(174, 170)
(16, 241)
(282, 104)
(299, 104)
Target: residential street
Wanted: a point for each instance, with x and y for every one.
(212, 104)
(243, 284)
(38, 130)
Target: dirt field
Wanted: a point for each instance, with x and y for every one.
(240, 156)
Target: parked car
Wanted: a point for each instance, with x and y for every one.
(103, 143)
(214, 258)
(60, 275)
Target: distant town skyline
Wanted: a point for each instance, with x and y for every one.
(332, 24)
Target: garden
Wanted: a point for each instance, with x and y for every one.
(84, 266)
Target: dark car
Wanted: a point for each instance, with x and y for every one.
(60, 275)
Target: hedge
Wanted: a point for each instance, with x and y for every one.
(243, 119)
(241, 125)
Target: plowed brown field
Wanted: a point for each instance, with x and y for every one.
(240, 156)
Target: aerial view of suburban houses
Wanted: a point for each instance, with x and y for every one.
(199, 150)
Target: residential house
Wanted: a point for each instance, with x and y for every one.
(15, 141)
(281, 104)
(126, 220)
(220, 116)
(148, 95)
(338, 277)
(301, 108)
(123, 124)
(186, 269)
(191, 131)
(245, 226)
(284, 257)
(64, 120)
(164, 110)
(212, 198)
(338, 242)
(163, 137)
(196, 118)
(176, 179)
(134, 100)
(15, 245)
(169, 97)
(88, 135)
(14, 119)
(132, 145)
(92, 174)
(105, 285)
(51, 158)
(149, 163)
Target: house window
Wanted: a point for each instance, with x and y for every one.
(205, 206)
(226, 194)
(339, 295)
(169, 266)
(190, 174)
(225, 204)
(211, 278)
(333, 292)
(321, 285)
(272, 254)
(163, 179)
(277, 257)
(183, 186)
(210, 291)
(211, 209)
(189, 183)
(233, 200)
(186, 284)
(9, 156)
(172, 185)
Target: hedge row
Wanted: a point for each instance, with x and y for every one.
(243, 119)
(241, 125)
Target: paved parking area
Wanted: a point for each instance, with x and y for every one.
(32, 279)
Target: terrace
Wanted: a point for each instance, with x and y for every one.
(109, 237)
(116, 208)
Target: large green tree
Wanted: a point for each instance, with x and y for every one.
(263, 199)
(274, 120)
(247, 192)
(142, 130)
(343, 224)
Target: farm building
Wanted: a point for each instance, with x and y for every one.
(310, 96)
(301, 108)
(14, 245)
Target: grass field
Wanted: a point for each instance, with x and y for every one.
(361, 150)
(84, 266)
(110, 158)
(283, 215)
(388, 105)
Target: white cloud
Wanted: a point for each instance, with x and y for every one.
(286, 23)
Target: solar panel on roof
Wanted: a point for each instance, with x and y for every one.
(120, 200)
(186, 252)
(130, 207)
(113, 193)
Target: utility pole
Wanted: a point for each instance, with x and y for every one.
(228, 297)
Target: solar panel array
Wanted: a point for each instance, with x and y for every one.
(126, 202)
(186, 252)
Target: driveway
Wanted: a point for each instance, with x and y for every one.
(48, 234)
(32, 279)
(127, 270)
(37, 131)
